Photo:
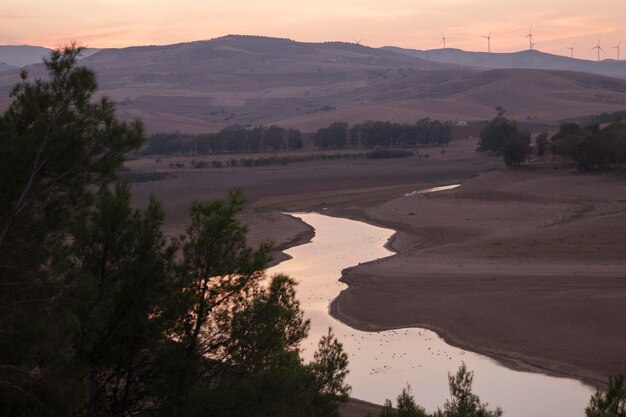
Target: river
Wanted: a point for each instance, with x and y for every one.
(382, 363)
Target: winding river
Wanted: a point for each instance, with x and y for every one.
(382, 363)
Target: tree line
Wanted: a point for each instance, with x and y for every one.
(237, 139)
(291, 159)
(464, 403)
(592, 148)
(102, 315)
(425, 132)
(229, 140)
(608, 117)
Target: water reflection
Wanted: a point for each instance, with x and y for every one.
(433, 190)
(381, 363)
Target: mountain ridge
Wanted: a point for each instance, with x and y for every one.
(207, 85)
(530, 59)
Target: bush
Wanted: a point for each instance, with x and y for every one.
(388, 153)
(493, 137)
(516, 149)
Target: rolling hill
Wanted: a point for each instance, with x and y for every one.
(523, 59)
(23, 55)
(6, 67)
(248, 80)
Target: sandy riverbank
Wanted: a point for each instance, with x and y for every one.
(526, 266)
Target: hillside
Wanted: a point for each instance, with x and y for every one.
(247, 80)
(5, 67)
(523, 59)
(23, 55)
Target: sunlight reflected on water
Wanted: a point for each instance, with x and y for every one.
(382, 363)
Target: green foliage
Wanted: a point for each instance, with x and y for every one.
(333, 136)
(291, 159)
(405, 405)
(388, 153)
(516, 149)
(388, 410)
(591, 149)
(462, 402)
(55, 140)
(237, 139)
(611, 403)
(425, 132)
(541, 143)
(608, 117)
(329, 368)
(234, 139)
(294, 139)
(118, 267)
(268, 327)
(102, 316)
(494, 136)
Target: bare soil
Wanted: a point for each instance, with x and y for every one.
(527, 266)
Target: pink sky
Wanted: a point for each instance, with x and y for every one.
(407, 23)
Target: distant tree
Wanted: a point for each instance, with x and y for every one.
(566, 140)
(592, 150)
(500, 110)
(337, 135)
(294, 139)
(516, 149)
(495, 134)
(255, 139)
(439, 133)
(541, 143)
(611, 403)
(354, 134)
(274, 138)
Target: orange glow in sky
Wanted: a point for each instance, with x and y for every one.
(415, 24)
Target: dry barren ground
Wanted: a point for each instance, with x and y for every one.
(527, 266)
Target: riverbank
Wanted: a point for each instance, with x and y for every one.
(522, 265)
(526, 267)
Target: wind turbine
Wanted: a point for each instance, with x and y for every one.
(599, 48)
(530, 39)
(532, 45)
(571, 48)
(357, 41)
(443, 40)
(617, 47)
(488, 37)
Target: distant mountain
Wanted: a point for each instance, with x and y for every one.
(23, 55)
(6, 67)
(249, 80)
(523, 59)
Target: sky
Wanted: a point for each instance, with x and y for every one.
(417, 24)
